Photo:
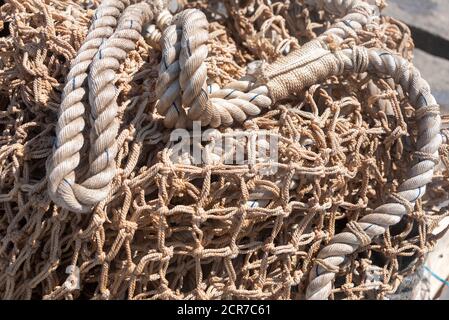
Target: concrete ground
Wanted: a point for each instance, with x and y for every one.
(428, 20)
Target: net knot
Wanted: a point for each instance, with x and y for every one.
(358, 231)
(430, 110)
(105, 294)
(269, 247)
(329, 267)
(401, 200)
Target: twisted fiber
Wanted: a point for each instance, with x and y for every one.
(355, 15)
(152, 32)
(168, 89)
(192, 56)
(236, 101)
(182, 80)
(360, 233)
(69, 138)
(102, 97)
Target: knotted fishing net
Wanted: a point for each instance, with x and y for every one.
(100, 199)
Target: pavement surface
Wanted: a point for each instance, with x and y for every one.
(430, 15)
(428, 20)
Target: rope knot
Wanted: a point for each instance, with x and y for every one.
(101, 257)
(269, 247)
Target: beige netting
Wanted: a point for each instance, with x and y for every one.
(170, 230)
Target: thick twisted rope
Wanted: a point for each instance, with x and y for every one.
(183, 68)
(64, 189)
(103, 98)
(152, 33)
(361, 233)
(355, 15)
(69, 138)
(192, 56)
(182, 82)
(168, 89)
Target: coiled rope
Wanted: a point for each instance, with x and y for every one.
(183, 73)
(182, 89)
(102, 52)
(358, 234)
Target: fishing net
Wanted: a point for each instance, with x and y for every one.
(167, 225)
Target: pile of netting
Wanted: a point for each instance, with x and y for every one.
(101, 199)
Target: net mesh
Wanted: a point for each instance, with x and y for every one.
(182, 231)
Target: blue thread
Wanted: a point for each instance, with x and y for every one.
(254, 97)
(188, 47)
(176, 107)
(445, 282)
(100, 53)
(73, 84)
(210, 88)
(419, 194)
(421, 95)
(66, 181)
(107, 155)
(367, 227)
(348, 23)
(131, 24)
(229, 94)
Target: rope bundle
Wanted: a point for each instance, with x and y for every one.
(102, 53)
(182, 80)
(346, 209)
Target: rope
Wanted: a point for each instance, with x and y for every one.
(190, 76)
(348, 139)
(182, 82)
(103, 57)
(152, 32)
(355, 14)
(420, 174)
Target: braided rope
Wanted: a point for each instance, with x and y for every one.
(361, 233)
(69, 139)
